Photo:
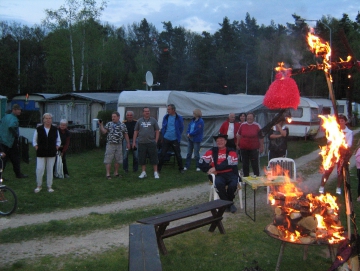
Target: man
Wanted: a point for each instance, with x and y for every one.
(115, 131)
(9, 138)
(147, 132)
(222, 161)
(172, 128)
(230, 128)
(345, 153)
(130, 125)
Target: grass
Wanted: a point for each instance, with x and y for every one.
(244, 246)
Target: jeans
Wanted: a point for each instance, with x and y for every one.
(192, 146)
(126, 159)
(250, 157)
(165, 146)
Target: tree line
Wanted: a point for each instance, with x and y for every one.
(71, 50)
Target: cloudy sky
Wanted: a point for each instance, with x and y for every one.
(195, 15)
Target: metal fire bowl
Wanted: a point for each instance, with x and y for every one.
(318, 242)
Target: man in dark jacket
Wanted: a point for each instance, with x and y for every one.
(172, 128)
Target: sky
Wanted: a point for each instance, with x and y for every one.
(194, 15)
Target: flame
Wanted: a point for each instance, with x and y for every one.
(321, 49)
(336, 139)
(284, 72)
(289, 120)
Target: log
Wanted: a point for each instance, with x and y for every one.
(309, 223)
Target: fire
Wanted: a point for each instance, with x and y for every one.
(303, 218)
(336, 138)
(320, 48)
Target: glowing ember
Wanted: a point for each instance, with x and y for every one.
(305, 219)
(336, 138)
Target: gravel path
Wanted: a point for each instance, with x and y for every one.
(99, 241)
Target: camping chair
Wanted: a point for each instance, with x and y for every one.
(281, 166)
(214, 194)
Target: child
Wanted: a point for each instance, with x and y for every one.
(357, 156)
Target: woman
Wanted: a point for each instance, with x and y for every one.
(65, 142)
(278, 140)
(194, 133)
(242, 119)
(250, 144)
(46, 142)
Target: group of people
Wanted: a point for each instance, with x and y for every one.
(236, 141)
(47, 140)
(240, 141)
(142, 137)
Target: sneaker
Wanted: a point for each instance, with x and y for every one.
(37, 189)
(338, 190)
(321, 190)
(185, 168)
(233, 209)
(358, 199)
(50, 190)
(143, 175)
(156, 175)
(66, 176)
(198, 169)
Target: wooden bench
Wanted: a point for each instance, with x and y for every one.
(143, 251)
(160, 222)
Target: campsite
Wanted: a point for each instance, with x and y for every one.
(59, 228)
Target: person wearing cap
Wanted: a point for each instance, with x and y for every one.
(9, 138)
(222, 161)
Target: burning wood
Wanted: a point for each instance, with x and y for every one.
(305, 219)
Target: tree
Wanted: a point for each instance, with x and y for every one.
(78, 12)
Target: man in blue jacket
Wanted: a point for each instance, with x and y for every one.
(172, 128)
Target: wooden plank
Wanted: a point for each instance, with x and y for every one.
(190, 226)
(187, 212)
(143, 248)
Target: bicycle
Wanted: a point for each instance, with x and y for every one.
(8, 198)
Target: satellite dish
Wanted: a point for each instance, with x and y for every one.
(149, 78)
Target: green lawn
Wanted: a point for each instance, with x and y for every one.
(244, 246)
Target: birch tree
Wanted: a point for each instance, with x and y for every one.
(73, 12)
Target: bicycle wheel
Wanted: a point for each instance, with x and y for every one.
(8, 201)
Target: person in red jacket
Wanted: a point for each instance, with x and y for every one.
(250, 144)
(230, 128)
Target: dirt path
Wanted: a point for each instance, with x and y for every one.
(99, 241)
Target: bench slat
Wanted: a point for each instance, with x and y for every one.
(189, 226)
(190, 211)
(143, 248)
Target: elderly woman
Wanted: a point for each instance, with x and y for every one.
(250, 144)
(65, 142)
(194, 134)
(46, 142)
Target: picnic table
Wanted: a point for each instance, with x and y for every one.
(162, 221)
(262, 181)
